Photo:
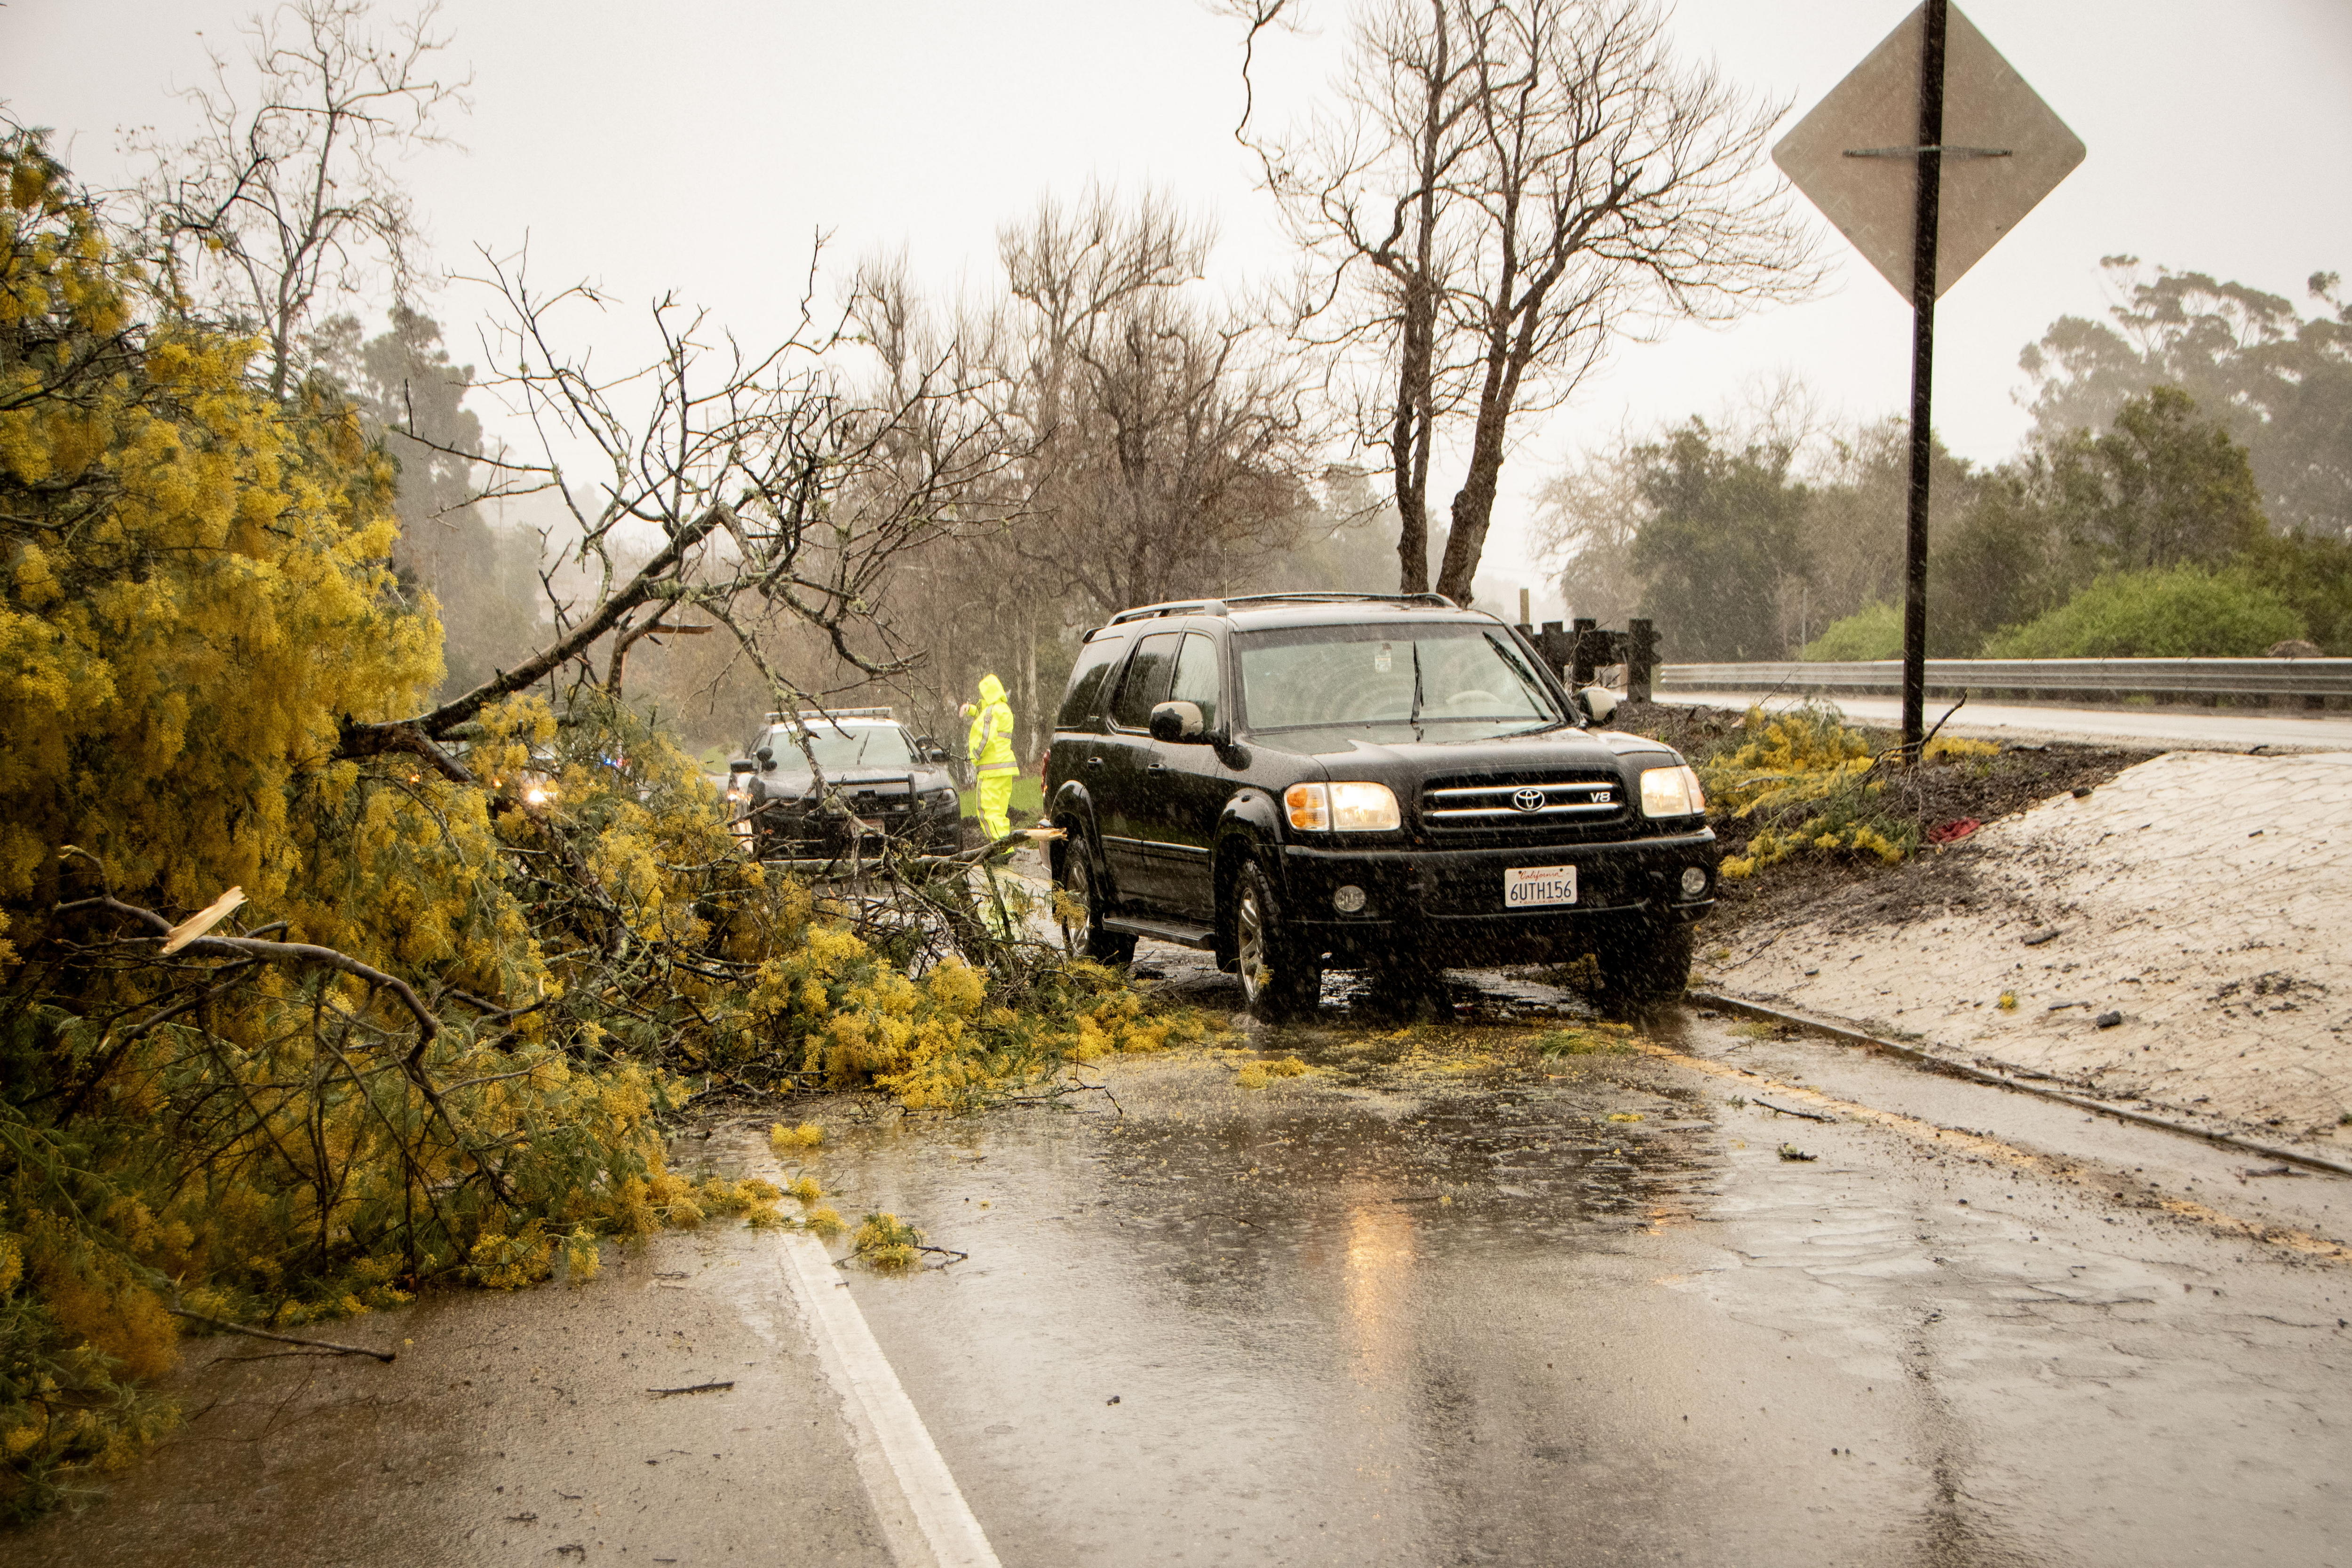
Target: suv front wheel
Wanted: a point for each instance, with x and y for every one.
(1084, 930)
(1280, 978)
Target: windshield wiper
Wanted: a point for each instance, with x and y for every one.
(1413, 718)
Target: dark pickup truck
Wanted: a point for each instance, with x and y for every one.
(1298, 782)
(878, 780)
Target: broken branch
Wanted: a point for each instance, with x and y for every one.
(227, 1327)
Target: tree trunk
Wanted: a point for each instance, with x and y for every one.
(1474, 503)
(1413, 506)
(1027, 721)
(366, 740)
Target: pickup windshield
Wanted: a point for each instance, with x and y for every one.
(1463, 680)
(844, 750)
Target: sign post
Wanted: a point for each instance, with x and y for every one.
(1984, 150)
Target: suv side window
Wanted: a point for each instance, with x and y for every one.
(1196, 678)
(1147, 682)
(1096, 660)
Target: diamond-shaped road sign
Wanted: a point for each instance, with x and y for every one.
(1855, 154)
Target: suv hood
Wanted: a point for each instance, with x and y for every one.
(1394, 750)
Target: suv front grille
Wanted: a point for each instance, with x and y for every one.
(1489, 805)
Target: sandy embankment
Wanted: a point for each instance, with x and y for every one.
(2206, 896)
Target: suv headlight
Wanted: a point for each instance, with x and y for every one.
(1671, 792)
(1342, 807)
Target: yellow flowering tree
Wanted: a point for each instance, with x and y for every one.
(477, 953)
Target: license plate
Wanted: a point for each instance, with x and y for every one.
(1525, 886)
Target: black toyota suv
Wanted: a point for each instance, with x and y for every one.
(1298, 782)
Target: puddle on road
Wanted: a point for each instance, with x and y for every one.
(1415, 1305)
(1234, 1322)
(1429, 1302)
(1463, 1119)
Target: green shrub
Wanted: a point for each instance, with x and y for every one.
(2182, 612)
(1875, 631)
(2314, 577)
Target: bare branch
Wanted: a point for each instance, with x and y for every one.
(287, 191)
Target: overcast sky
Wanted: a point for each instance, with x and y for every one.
(698, 144)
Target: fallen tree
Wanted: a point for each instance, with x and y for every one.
(443, 1046)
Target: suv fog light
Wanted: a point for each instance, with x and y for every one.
(1693, 881)
(1347, 900)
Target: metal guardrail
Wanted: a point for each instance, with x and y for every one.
(2320, 677)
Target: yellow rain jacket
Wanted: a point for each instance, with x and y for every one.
(990, 746)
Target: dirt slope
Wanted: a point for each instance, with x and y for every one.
(2205, 896)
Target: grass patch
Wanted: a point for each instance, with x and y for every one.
(1587, 1040)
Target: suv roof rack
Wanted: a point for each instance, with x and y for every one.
(1344, 596)
(1173, 607)
(1325, 596)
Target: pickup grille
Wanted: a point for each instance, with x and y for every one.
(891, 804)
(1489, 804)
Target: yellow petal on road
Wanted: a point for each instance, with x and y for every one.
(203, 921)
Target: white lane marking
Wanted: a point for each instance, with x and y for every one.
(911, 1467)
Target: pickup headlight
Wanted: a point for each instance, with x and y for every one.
(1671, 792)
(1342, 807)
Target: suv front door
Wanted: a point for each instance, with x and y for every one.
(1189, 785)
(1123, 786)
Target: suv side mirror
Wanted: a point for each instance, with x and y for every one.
(1179, 722)
(740, 765)
(928, 749)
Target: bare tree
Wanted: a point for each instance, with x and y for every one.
(1505, 189)
(1168, 443)
(717, 486)
(289, 189)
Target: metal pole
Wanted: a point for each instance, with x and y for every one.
(1930, 189)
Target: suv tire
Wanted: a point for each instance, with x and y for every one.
(1645, 961)
(1280, 979)
(1077, 881)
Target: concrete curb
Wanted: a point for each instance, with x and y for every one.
(1933, 1063)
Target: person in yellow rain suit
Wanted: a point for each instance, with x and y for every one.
(990, 747)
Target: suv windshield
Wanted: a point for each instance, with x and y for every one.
(841, 750)
(1466, 678)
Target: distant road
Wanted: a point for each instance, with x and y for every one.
(2179, 728)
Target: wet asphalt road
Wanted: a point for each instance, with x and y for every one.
(1437, 1301)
